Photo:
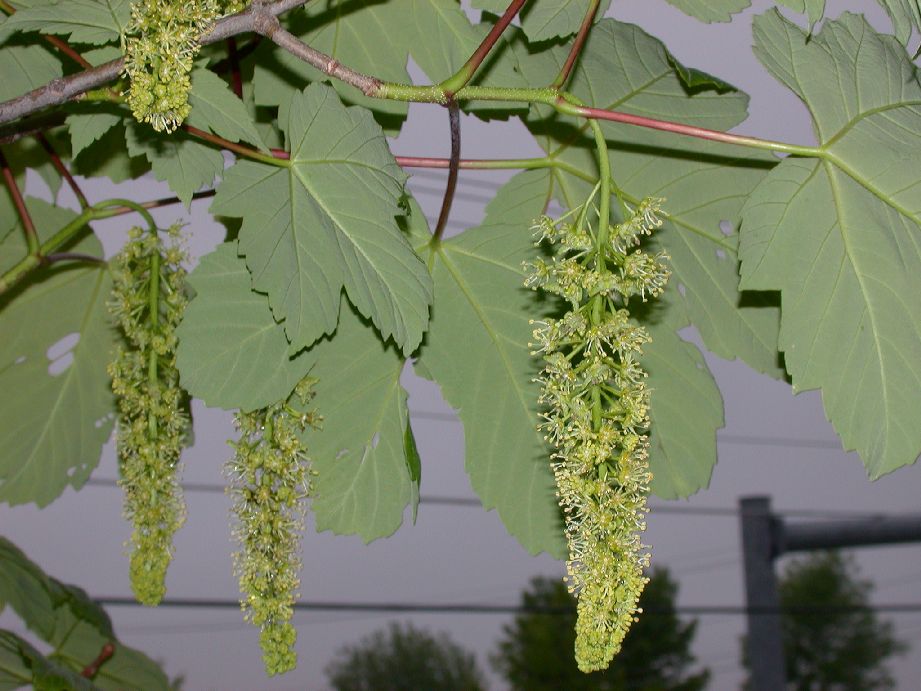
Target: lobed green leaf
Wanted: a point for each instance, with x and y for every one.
(838, 234)
(232, 354)
(53, 428)
(327, 221)
(365, 455)
(477, 352)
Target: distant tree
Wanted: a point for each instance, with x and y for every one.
(536, 650)
(405, 658)
(845, 645)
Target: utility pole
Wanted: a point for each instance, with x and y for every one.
(760, 533)
(765, 537)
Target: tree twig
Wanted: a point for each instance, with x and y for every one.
(451, 186)
(268, 25)
(577, 46)
(28, 226)
(65, 89)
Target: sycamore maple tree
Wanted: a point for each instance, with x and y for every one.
(554, 337)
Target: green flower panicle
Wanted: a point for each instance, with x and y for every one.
(595, 412)
(148, 300)
(270, 480)
(160, 48)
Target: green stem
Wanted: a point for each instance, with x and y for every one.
(601, 240)
(115, 207)
(104, 209)
(153, 307)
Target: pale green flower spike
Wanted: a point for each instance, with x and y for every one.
(148, 300)
(595, 404)
(270, 479)
(160, 46)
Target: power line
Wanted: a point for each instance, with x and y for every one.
(475, 608)
(742, 439)
(661, 509)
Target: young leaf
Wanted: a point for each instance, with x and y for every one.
(184, 164)
(837, 235)
(477, 352)
(216, 108)
(364, 453)
(544, 21)
(711, 10)
(327, 221)
(85, 21)
(56, 345)
(703, 183)
(231, 352)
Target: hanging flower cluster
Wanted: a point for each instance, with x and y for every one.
(148, 300)
(270, 479)
(595, 402)
(160, 47)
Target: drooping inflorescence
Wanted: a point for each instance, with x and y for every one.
(160, 46)
(148, 301)
(270, 479)
(595, 401)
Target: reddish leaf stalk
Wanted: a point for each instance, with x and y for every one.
(90, 671)
(465, 74)
(577, 46)
(62, 169)
(451, 186)
(238, 149)
(27, 225)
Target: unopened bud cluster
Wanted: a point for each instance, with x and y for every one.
(595, 402)
(160, 47)
(270, 479)
(148, 300)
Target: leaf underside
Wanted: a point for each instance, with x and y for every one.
(840, 236)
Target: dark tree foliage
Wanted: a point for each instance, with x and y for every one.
(844, 649)
(405, 658)
(536, 650)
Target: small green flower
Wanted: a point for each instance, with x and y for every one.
(270, 479)
(148, 300)
(595, 414)
(160, 47)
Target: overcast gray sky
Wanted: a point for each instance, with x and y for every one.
(773, 444)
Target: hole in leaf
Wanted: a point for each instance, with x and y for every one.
(342, 452)
(375, 439)
(60, 354)
(720, 254)
(18, 361)
(726, 227)
(682, 289)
